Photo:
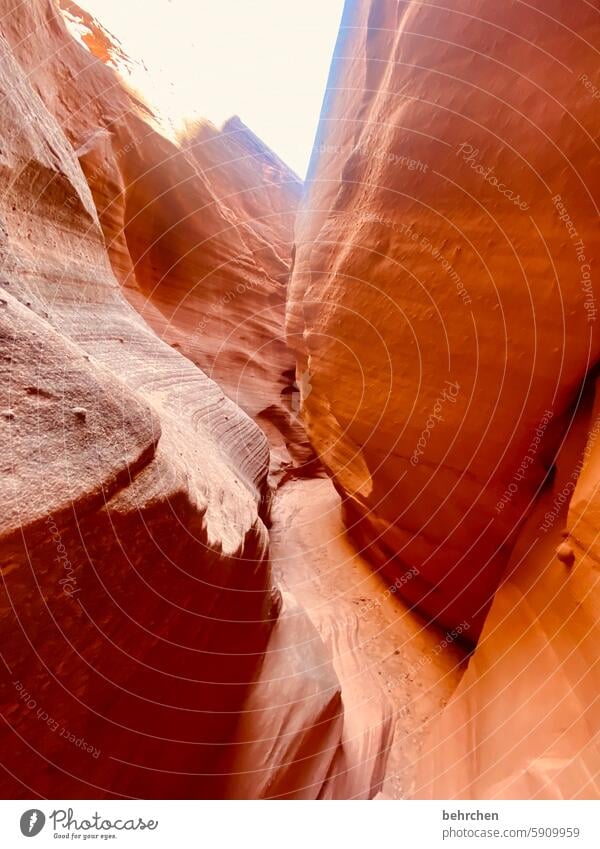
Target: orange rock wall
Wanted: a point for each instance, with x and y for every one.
(199, 233)
(443, 323)
(523, 722)
(443, 303)
(136, 598)
(440, 305)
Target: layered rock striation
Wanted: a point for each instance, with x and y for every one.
(443, 304)
(136, 600)
(163, 631)
(441, 299)
(143, 636)
(199, 231)
(523, 722)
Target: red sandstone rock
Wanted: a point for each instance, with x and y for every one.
(137, 601)
(438, 301)
(443, 331)
(442, 304)
(136, 597)
(394, 676)
(341, 629)
(199, 233)
(291, 724)
(523, 722)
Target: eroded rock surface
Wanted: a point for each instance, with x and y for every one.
(523, 721)
(443, 306)
(442, 318)
(199, 232)
(136, 598)
(138, 616)
(439, 303)
(291, 726)
(395, 673)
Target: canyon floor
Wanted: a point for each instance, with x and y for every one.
(394, 673)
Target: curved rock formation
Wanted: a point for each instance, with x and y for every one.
(137, 604)
(443, 307)
(199, 233)
(395, 675)
(441, 300)
(136, 599)
(442, 316)
(533, 679)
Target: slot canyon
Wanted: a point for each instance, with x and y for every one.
(300, 477)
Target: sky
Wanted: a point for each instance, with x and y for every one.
(264, 60)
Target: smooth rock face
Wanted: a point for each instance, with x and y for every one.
(291, 726)
(136, 597)
(523, 721)
(439, 304)
(199, 232)
(442, 317)
(442, 305)
(137, 601)
(395, 675)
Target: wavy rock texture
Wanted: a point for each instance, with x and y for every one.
(351, 682)
(136, 600)
(443, 308)
(292, 722)
(199, 234)
(437, 300)
(139, 620)
(137, 612)
(442, 318)
(395, 674)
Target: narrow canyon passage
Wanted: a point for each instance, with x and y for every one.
(352, 681)
(301, 476)
(394, 672)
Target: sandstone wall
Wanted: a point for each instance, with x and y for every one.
(440, 305)
(443, 306)
(136, 599)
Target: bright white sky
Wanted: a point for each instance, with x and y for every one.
(264, 60)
